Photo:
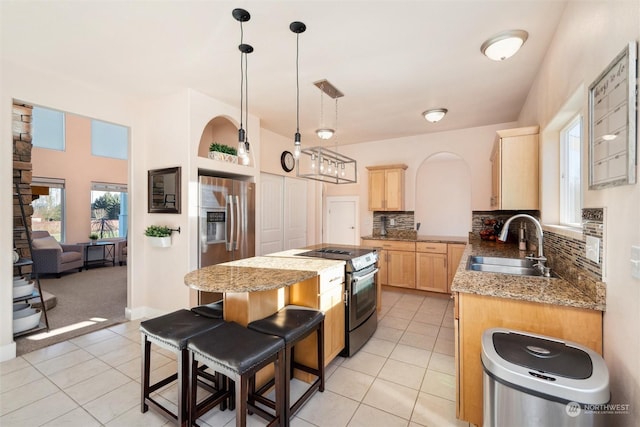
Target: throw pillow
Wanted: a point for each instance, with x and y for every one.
(46, 243)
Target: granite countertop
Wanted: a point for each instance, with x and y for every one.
(257, 274)
(419, 238)
(546, 290)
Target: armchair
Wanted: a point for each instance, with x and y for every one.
(49, 256)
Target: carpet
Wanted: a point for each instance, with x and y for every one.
(97, 293)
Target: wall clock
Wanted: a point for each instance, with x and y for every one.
(287, 161)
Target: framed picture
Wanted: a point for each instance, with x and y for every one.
(612, 122)
(164, 190)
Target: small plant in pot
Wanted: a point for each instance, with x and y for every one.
(223, 152)
(159, 235)
(93, 237)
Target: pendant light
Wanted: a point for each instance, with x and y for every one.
(323, 132)
(320, 163)
(298, 28)
(241, 16)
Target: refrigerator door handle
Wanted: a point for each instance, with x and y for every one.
(238, 223)
(230, 214)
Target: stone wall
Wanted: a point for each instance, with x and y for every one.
(22, 174)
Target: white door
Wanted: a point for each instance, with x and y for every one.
(295, 213)
(341, 213)
(271, 209)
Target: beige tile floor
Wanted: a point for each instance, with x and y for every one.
(404, 376)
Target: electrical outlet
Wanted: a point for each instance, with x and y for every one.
(392, 221)
(593, 249)
(635, 262)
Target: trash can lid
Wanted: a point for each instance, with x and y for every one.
(543, 355)
(546, 367)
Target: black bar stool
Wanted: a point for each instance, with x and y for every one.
(172, 332)
(214, 310)
(293, 324)
(237, 353)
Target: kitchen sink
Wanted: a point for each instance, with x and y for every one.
(516, 266)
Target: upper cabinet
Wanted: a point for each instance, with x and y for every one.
(386, 187)
(514, 170)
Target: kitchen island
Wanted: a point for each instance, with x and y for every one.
(257, 287)
(548, 306)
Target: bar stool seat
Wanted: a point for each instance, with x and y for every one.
(238, 353)
(293, 324)
(214, 310)
(172, 332)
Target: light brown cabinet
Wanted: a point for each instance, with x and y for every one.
(475, 313)
(386, 187)
(324, 293)
(514, 170)
(431, 267)
(428, 266)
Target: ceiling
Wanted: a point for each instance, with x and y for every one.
(391, 59)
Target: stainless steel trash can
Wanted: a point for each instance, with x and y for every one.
(532, 380)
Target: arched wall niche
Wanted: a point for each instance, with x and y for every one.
(222, 130)
(443, 196)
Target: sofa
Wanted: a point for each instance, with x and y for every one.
(51, 257)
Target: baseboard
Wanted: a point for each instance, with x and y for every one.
(8, 351)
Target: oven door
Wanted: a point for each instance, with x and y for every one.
(362, 295)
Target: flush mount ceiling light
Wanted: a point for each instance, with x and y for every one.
(435, 114)
(330, 90)
(504, 45)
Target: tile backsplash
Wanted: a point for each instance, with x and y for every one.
(404, 223)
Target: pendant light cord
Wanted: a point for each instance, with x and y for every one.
(297, 83)
(241, 72)
(246, 94)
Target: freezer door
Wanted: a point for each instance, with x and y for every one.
(244, 208)
(215, 222)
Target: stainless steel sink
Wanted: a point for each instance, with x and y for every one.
(516, 266)
(512, 262)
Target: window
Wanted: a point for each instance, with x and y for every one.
(109, 140)
(48, 207)
(48, 128)
(570, 173)
(109, 209)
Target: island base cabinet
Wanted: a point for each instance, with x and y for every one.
(474, 314)
(330, 300)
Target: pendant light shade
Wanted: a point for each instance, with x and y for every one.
(504, 45)
(297, 28)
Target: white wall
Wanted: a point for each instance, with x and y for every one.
(473, 145)
(589, 36)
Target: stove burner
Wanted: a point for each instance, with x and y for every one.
(334, 251)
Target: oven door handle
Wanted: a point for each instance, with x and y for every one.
(366, 276)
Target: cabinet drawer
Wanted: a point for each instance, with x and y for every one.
(438, 248)
(331, 277)
(391, 245)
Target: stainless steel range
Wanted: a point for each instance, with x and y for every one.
(361, 275)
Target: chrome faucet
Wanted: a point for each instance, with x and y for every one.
(541, 259)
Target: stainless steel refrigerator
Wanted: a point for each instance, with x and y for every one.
(227, 227)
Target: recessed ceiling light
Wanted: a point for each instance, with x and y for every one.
(504, 45)
(435, 114)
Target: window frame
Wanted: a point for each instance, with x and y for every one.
(55, 183)
(566, 218)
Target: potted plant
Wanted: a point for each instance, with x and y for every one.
(223, 152)
(93, 237)
(159, 235)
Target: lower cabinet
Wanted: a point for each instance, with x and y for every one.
(431, 267)
(428, 266)
(473, 314)
(324, 293)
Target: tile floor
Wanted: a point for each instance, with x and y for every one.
(404, 376)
